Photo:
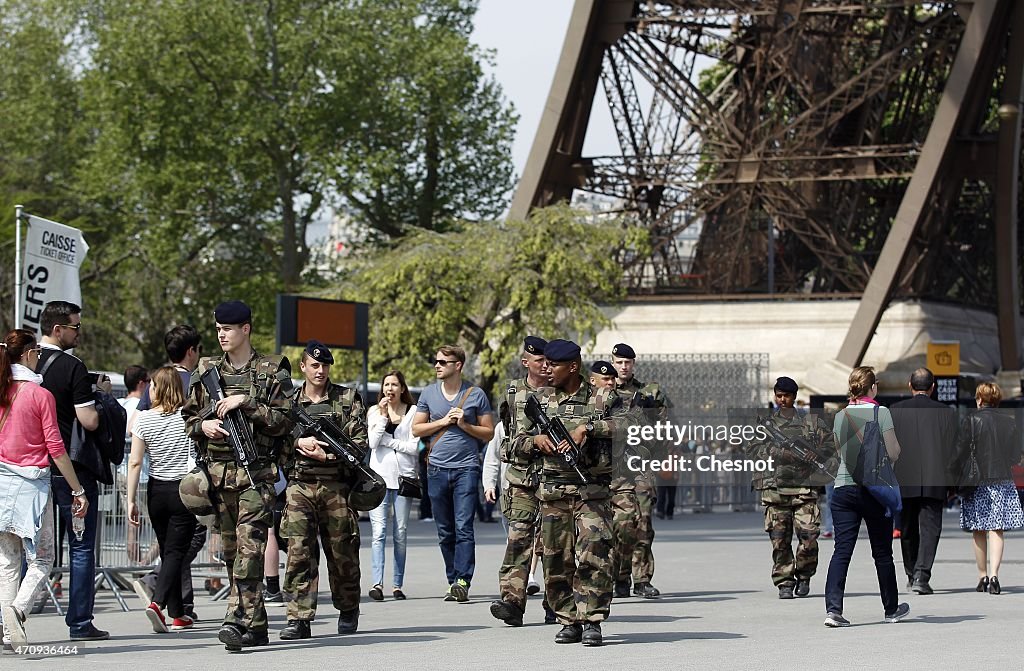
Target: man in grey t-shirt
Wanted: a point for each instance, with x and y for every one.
(454, 419)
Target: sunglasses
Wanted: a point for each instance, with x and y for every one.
(442, 362)
(71, 326)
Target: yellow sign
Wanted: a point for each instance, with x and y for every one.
(944, 358)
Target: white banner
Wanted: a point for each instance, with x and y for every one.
(53, 254)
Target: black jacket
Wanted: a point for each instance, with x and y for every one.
(997, 443)
(927, 433)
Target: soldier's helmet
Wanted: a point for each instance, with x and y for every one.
(194, 490)
(368, 493)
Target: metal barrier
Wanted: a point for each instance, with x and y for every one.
(123, 549)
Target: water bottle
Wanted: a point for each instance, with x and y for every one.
(77, 523)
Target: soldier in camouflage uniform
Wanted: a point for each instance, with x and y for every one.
(655, 405)
(519, 502)
(317, 505)
(576, 518)
(625, 509)
(244, 500)
(789, 492)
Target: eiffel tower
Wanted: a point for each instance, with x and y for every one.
(859, 148)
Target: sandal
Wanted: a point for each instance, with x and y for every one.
(377, 593)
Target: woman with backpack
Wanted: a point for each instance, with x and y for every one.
(992, 440)
(852, 502)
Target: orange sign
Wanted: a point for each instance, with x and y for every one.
(944, 358)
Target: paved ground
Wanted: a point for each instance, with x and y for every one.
(718, 610)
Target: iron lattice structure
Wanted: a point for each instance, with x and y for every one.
(800, 146)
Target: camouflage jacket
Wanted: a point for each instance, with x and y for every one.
(266, 410)
(599, 452)
(648, 396)
(344, 408)
(793, 474)
(513, 406)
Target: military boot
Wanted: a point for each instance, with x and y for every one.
(803, 587)
(571, 633)
(348, 621)
(509, 613)
(235, 637)
(646, 590)
(621, 589)
(786, 591)
(592, 634)
(296, 630)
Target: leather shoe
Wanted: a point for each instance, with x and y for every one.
(982, 585)
(803, 587)
(922, 587)
(993, 586)
(509, 613)
(592, 634)
(296, 630)
(571, 633)
(348, 621)
(235, 637)
(646, 590)
(621, 589)
(786, 592)
(91, 634)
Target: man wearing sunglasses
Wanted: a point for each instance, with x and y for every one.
(454, 419)
(67, 378)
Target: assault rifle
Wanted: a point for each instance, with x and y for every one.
(556, 431)
(338, 444)
(234, 422)
(797, 445)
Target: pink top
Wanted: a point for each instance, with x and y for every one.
(30, 433)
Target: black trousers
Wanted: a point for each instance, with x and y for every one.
(920, 528)
(666, 500)
(174, 526)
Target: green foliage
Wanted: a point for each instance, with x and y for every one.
(485, 286)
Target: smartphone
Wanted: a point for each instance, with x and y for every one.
(94, 378)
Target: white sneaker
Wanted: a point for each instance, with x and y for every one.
(14, 622)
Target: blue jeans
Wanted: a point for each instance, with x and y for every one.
(82, 553)
(851, 504)
(397, 507)
(453, 493)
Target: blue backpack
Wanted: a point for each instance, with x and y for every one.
(873, 469)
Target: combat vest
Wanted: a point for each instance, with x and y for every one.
(791, 474)
(520, 471)
(596, 460)
(255, 379)
(344, 408)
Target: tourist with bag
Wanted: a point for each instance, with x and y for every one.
(29, 438)
(393, 454)
(862, 421)
(989, 447)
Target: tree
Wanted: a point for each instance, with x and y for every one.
(485, 286)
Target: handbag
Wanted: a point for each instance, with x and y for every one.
(970, 473)
(409, 487)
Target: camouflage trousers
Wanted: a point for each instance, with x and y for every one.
(521, 508)
(245, 515)
(318, 513)
(578, 546)
(784, 514)
(643, 557)
(625, 524)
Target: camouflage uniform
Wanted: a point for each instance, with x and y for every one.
(576, 519)
(317, 509)
(789, 494)
(244, 508)
(519, 503)
(655, 405)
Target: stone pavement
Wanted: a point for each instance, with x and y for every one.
(718, 610)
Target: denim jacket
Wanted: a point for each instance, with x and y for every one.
(24, 491)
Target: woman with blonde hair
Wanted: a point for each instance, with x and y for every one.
(160, 431)
(993, 505)
(851, 503)
(29, 438)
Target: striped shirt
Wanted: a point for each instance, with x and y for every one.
(168, 445)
